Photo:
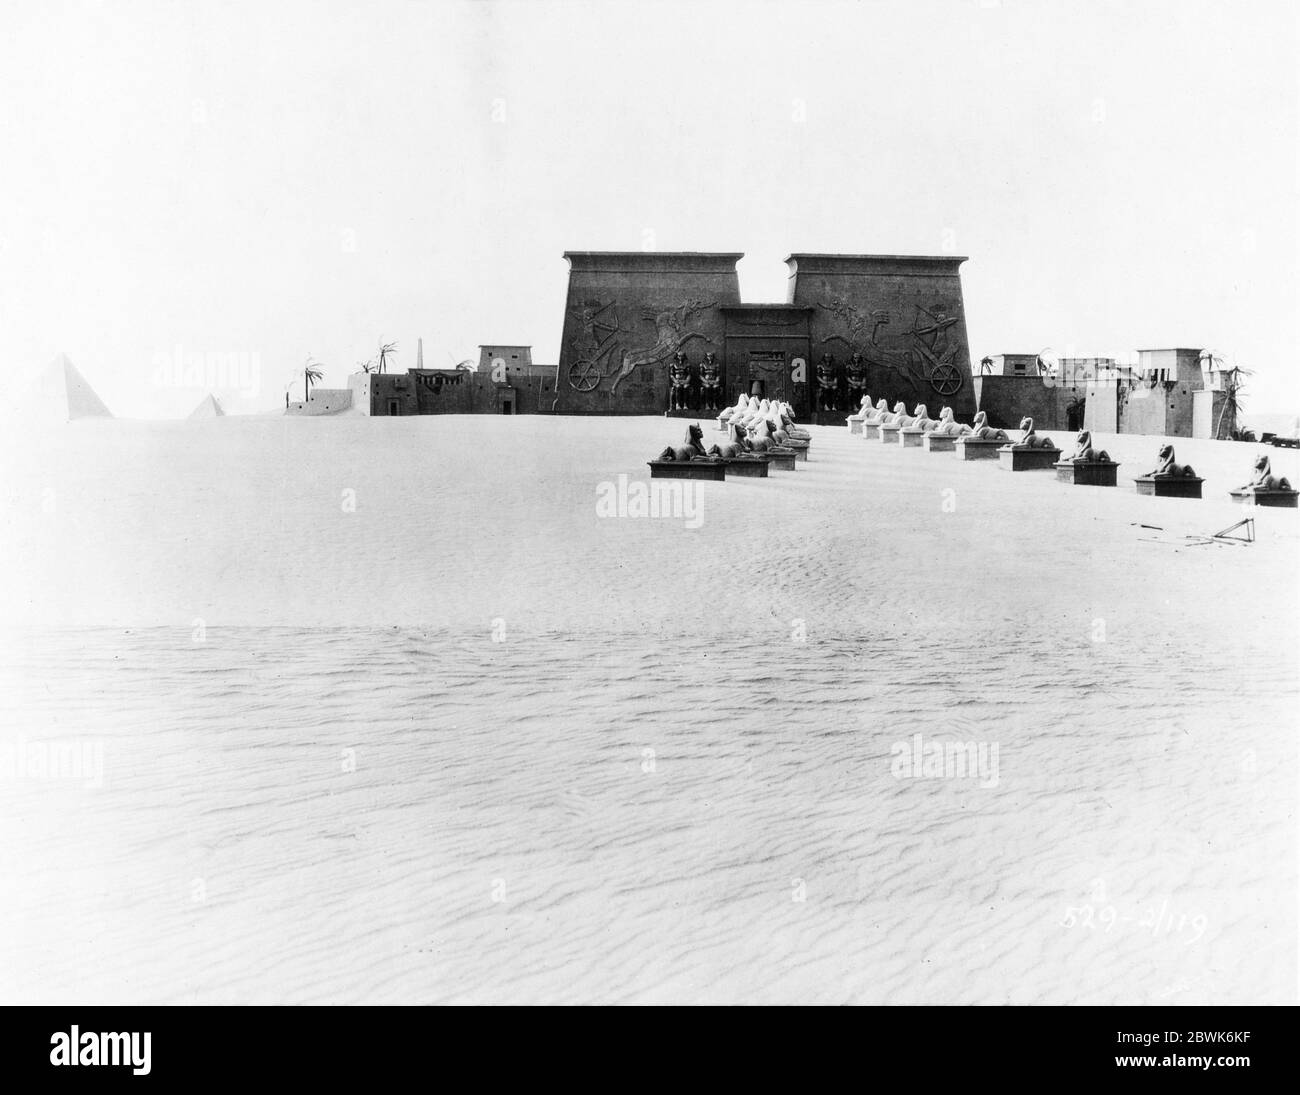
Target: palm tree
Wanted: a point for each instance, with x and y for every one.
(1232, 385)
(367, 366)
(311, 373)
(1232, 401)
(385, 348)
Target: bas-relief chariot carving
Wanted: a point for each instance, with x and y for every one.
(600, 336)
(928, 356)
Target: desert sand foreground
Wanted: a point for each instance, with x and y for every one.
(391, 711)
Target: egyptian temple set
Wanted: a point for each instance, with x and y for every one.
(667, 333)
(646, 333)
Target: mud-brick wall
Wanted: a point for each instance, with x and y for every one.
(1008, 399)
(323, 401)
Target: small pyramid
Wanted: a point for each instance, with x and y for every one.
(208, 408)
(65, 392)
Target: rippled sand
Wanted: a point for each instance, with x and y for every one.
(469, 741)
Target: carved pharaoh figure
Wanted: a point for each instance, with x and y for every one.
(679, 377)
(710, 383)
(857, 378)
(827, 395)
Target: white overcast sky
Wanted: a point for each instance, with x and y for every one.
(283, 178)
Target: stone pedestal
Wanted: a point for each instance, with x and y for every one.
(969, 448)
(1015, 458)
(940, 442)
(1087, 473)
(713, 470)
(911, 439)
(1170, 486)
(855, 424)
(752, 467)
(889, 434)
(871, 431)
(780, 459)
(1279, 499)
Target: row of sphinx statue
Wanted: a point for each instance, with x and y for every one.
(754, 427)
(1262, 478)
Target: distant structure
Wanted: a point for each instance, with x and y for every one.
(505, 381)
(208, 408)
(324, 401)
(1169, 393)
(64, 393)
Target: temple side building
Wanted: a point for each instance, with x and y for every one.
(1175, 392)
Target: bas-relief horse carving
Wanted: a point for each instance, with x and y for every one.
(1084, 453)
(1032, 440)
(982, 431)
(1264, 479)
(692, 450)
(950, 427)
(1167, 468)
(670, 326)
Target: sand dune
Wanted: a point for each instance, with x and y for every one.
(455, 737)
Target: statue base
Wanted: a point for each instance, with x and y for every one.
(971, 448)
(711, 470)
(1014, 458)
(1087, 473)
(871, 431)
(1280, 499)
(888, 433)
(911, 439)
(754, 467)
(781, 459)
(855, 424)
(940, 442)
(1170, 486)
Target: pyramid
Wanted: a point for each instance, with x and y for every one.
(209, 408)
(65, 393)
